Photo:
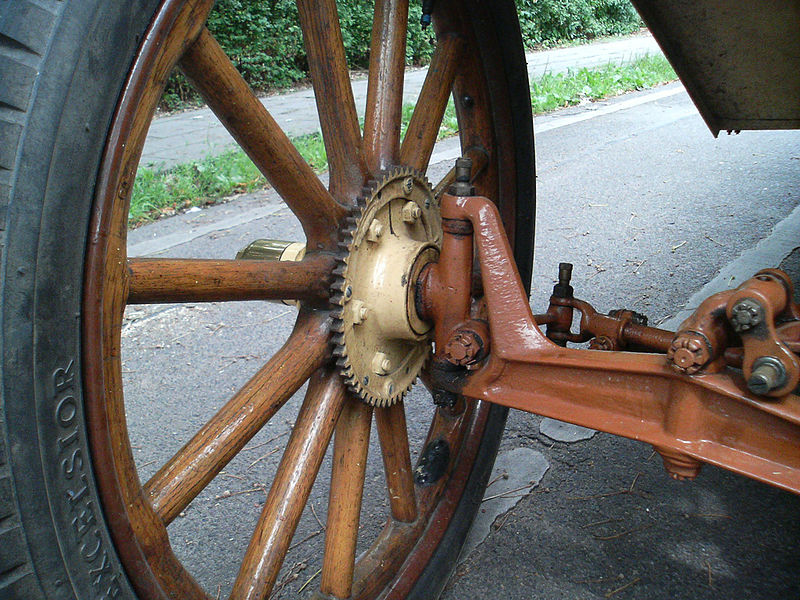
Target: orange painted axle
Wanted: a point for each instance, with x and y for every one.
(690, 419)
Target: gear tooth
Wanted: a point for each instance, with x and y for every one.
(350, 369)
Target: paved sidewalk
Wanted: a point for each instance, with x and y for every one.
(196, 134)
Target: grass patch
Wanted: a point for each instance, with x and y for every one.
(158, 193)
(552, 91)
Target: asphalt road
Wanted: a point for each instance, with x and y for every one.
(649, 207)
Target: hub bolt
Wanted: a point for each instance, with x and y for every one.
(408, 185)
(381, 363)
(359, 312)
(746, 314)
(411, 212)
(375, 231)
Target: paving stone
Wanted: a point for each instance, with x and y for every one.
(524, 469)
(564, 432)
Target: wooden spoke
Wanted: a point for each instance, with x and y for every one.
(232, 100)
(427, 117)
(199, 280)
(393, 434)
(176, 484)
(335, 105)
(292, 485)
(387, 62)
(347, 486)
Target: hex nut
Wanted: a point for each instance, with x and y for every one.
(359, 312)
(375, 231)
(462, 348)
(411, 212)
(381, 364)
(602, 342)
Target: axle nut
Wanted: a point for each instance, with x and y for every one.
(746, 314)
(689, 352)
(463, 348)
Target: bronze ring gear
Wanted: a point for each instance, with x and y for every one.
(381, 342)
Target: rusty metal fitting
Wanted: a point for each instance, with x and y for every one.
(462, 185)
(679, 466)
(689, 352)
(631, 316)
(768, 374)
(444, 398)
(746, 314)
(467, 345)
(563, 289)
(603, 342)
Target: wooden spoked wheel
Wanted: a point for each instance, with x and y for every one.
(478, 59)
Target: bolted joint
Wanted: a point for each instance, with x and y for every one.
(444, 398)
(375, 231)
(432, 463)
(411, 212)
(768, 374)
(746, 314)
(462, 186)
(467, 345)
(689, 352)
(631, 315)
(603, 342)
(563, 289)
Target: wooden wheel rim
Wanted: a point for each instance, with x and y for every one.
(402, 550)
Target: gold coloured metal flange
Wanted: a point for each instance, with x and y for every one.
(272, 250)
(279, 250)
(381, 341)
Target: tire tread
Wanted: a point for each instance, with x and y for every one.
(26, 29)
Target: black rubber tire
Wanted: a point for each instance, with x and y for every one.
(62, 66)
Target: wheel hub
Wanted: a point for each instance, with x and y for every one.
(382, 343)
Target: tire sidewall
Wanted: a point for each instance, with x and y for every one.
(89, 55)
(87, 59)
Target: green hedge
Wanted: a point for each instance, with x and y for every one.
(264, 40)
(547, 22)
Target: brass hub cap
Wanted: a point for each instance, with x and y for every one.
(382, 343)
